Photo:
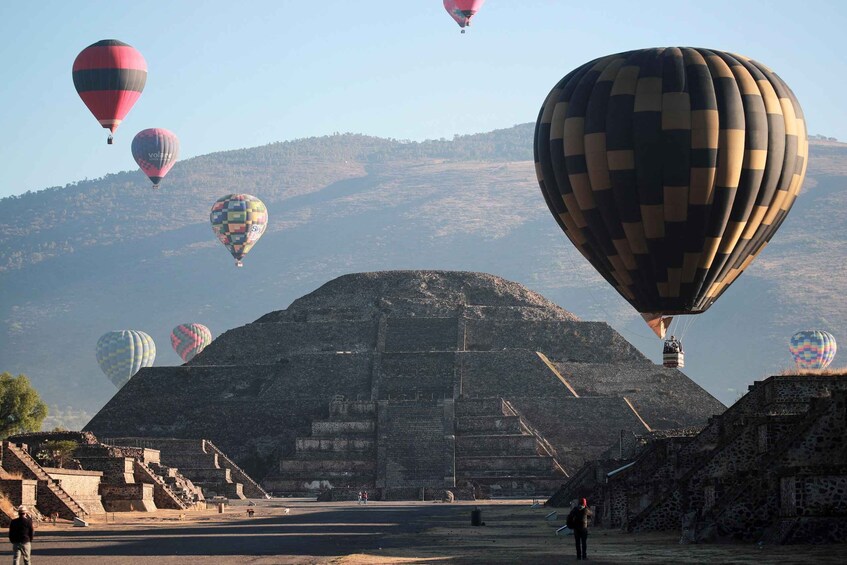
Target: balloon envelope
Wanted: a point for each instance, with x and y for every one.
(190, 339)
(109, 76)
(463, 10)
(239, 220)
(155, 150)
(670, 170)
(123, 353)
(813, 349)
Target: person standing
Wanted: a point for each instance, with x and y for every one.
(578, 521)
(21, 534)
(365, 499)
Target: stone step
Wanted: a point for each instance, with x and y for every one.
(489, 424)
(495, 445)
(479, 407)
(306, 466)
(505, 464)
(332, 428)
(330, 444)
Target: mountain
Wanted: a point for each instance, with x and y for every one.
(111, 253)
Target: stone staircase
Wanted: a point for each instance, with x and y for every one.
(250, 487)
(497, 450)
(188, 463)
(163, 495)
(340, 453)
(51, 497)
(180, 485)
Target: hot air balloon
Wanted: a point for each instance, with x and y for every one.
(670, 169)
(239, 220)
(155, 150)
(463, 10)
(123, 353)
(813, 349)
(190, 339)
(109, 77)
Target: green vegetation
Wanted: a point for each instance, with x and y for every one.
(56, 453)
(21, 409)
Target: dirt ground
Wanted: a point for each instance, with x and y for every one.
(379, 533)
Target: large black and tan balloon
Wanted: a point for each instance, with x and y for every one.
(670, 170)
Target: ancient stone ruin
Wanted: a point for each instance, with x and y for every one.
(407, 383)
(771, 469)
(118, 476)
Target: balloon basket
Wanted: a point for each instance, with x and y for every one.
(110, 141)
(239, 264)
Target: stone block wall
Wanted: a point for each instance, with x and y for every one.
(83, 486)
(115, 470)
(19, 491)
(136, 497)
(587, 342)
(421, 334)
(260, 343)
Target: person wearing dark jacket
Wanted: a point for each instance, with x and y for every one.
(578, 521)
(21, 534)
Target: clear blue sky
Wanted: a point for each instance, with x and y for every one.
(226, 75)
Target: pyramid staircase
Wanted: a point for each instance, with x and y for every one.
(340, 453)
(51, 496)
(498, 451)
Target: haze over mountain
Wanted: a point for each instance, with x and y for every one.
(111, 253)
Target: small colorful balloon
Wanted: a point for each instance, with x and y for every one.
(123, 353)
(813, 349)
(239, 220)
(190, 339)
(155, 150)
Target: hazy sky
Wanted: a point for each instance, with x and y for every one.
(226, 75)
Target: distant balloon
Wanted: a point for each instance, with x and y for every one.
(190, 339)
(122, 354)
(463, 10)
(813, 349)
(239, 220)
(109, 77)
(670, 169)
(155, 150)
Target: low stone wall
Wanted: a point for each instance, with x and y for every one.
(136, 497)
(115, 470)
(19, 491)
(83, 486)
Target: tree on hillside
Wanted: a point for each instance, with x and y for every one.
(21, 409)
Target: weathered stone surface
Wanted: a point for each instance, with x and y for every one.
(408, 344)
(772, 468)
